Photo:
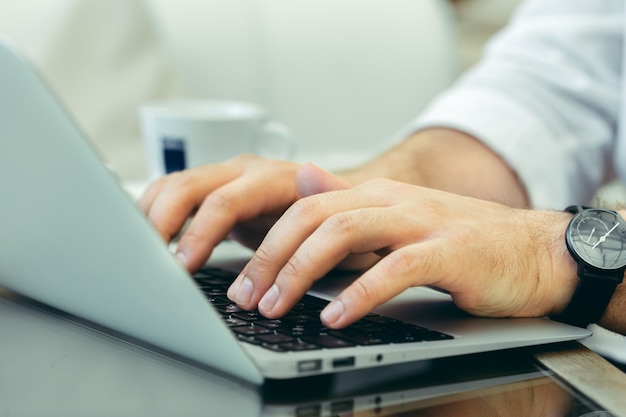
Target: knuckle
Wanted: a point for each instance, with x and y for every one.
(154, 187)
(194, 234)
(175, 184)
(169, 230)
(262, 259)
(362, 291)
(351, 223)
(293, 267)
(221, 200)
(402, 262)
(303, 208)
(380, 184)
(176, 178)
(341, 223)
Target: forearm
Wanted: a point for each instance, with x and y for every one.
(449, 160)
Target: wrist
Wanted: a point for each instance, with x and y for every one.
(564, 267)
(547, 273)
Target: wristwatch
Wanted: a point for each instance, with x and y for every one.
(596, 239)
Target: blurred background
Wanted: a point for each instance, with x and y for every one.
(345, 76)
(476, 22)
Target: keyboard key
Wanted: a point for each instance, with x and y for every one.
(272, 324)
(248, 315)
(275, 338)
(298, 346)
(250, 330)
(327, 341)
(233, 322)
(358, 337)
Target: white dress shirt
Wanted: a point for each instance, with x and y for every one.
(548, 98)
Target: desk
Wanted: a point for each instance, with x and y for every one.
(51, 366)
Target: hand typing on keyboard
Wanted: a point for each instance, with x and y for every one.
(400, 234)
(301, 329)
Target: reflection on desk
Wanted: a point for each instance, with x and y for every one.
(541, 397)
(72, 370)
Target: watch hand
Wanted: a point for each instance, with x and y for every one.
(603, 238)
(591, 234)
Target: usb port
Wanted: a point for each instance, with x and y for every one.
(310, 366)
(341, 407)
(343, 362)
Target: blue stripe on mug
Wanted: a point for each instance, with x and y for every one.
(173, 154)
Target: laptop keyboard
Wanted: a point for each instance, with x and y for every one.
(301, 329)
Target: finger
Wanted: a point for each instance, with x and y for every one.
(177, 196)
(291, 230)
(249, 196)
(412, 265)
(312, 180)
(354, 232)
(283, 239)
(173, 198)
(150, 194)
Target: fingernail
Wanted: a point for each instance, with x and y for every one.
(182, 258)
(234, 287)
(332, 312)
(269, 300)
(244, 292)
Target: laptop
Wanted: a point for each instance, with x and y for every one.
(72, 238)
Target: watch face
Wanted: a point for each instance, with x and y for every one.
(599, 238)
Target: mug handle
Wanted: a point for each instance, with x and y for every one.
(275, 141)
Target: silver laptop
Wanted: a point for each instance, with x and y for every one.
(70, 237)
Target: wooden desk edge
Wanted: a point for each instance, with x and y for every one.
(587, 372)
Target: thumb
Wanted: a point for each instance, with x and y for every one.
(312, 179)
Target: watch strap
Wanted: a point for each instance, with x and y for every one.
(577, 209)
(590, 299)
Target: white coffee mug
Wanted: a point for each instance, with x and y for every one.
(185, 133)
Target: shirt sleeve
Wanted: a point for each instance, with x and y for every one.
(545, 97)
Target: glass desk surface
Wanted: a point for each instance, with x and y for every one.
(50, 365)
